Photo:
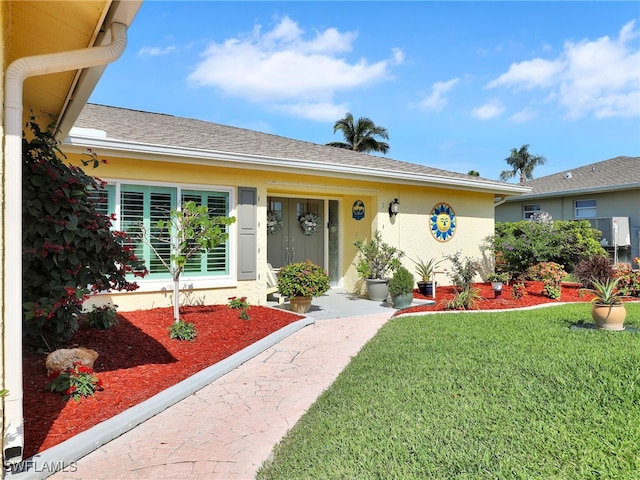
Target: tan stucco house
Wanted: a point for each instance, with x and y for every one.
(606, 193)
(270, 184)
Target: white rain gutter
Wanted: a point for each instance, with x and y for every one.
(16, 74)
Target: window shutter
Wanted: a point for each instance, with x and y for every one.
(247, 230)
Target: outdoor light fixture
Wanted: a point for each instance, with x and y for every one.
(394, 208)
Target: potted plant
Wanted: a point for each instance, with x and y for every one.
(376, 260)
(401, 288)
(607, 310)
(426, 271)
(498, 279)
(300, 282)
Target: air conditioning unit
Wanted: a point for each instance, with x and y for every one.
(615, 231)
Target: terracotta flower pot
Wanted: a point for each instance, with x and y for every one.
(300, 304)
(609, 317)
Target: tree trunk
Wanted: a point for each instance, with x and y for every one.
(176, 299)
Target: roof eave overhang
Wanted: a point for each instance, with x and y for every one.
(79, 144)
(573, 193)
(120, 11)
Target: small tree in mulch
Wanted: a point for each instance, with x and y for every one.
(189, 231)
(69, 249)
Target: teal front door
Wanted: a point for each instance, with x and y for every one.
(288, 239)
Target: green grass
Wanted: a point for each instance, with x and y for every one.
(492, 395)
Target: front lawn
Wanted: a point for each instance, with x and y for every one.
(478, 395)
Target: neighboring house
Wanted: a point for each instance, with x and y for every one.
(268, 183)
(606, 193)
(53, 54)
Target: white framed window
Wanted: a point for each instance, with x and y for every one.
(136, 204)
(529, 210)
(585, 209)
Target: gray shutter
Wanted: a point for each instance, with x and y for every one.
(247, 230)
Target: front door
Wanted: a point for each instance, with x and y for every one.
(295, 231)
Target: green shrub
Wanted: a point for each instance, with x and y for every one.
(462, 271)
(182, 330)
(401, 282)
(518, 290)
(376, 259)
(102, 318)
(522, 244)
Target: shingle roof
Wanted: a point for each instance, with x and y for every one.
(613, 174)
(161, 129)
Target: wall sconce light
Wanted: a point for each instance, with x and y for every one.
(394, 208)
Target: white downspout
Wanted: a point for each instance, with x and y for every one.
(17, 72)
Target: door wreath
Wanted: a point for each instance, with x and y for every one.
(274, 222)
(309, 222)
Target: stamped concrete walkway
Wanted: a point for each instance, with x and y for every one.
(228, 428)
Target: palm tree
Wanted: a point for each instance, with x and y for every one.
(522, 163)
(359, 136)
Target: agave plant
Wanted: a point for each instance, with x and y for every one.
(426, 268)
(605, 292)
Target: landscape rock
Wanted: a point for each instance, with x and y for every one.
(64, 358)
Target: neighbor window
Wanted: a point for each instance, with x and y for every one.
(138, 209)
(530, 210)
(585, 209)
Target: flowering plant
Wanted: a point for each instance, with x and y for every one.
(76, 382)
(551, 275)
(235, 302)
(628, 279)
(302, 279)
(240, 303)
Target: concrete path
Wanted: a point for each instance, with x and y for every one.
(228, 427)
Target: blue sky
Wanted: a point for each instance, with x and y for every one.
(456, 84)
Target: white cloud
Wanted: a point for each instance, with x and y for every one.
(489, 110)
(437, 100)
(283, 69)
(524, 115)
(529, 74)
(155, 51)
(591, 77)
(398, 56)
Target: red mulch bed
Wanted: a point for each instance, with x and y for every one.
(570, 292)
(138, 360)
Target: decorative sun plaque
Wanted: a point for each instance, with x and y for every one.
(442, 222)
